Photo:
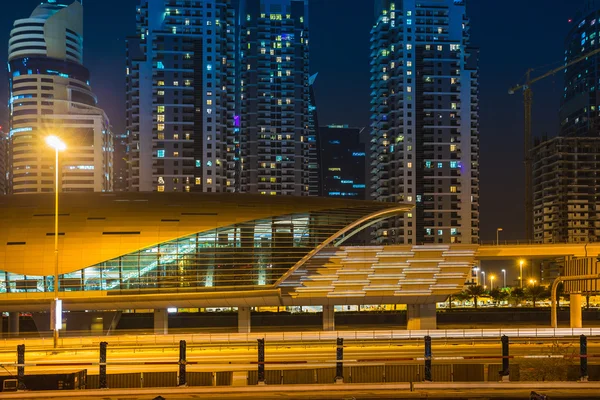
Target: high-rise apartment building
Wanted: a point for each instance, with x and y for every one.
(424, 122)
(580, 104)
(565, 184)
(121, 158)
(3, 162)
(343, 162)
(181, 96)
(278, 149)
(566, 200)
(50, 94)
(218, 97)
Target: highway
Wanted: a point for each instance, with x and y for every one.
(288, 356)
(496, 391)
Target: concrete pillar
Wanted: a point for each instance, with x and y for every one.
(328, 318)
(421, 317)
(13, 324)
(575, 310)
(161, 322)
(244, 320)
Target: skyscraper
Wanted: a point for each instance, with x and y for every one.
(181, 96)
(121, 158)
(424, 122)
(565, 182)
(580, 105)
(278, 149)
(343, 162)
(50, 93)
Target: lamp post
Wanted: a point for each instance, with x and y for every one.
(504, 281)
(521, 272)
(492, 277)
(57, 145)
(476, 269)
(483, 273)
(498, 230)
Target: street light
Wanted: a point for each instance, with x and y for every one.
(56, 310)
(483, 273)
(498, 230)
(476, 269)
(492, 277)
(532, 282)
(521, 272)
(504, 281)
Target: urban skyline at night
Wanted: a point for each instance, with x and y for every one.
(339, 92)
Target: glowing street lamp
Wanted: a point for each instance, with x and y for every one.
(532, 282)
(492, 277)
(521, 262)
(56, 310)
(504, 281)
(498, 230)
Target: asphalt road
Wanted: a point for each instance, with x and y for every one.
(334, 392)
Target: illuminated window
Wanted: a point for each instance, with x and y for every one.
(409, 63)
(198, 181)
(409, 165)
(161, 127)
(452, 147)
(160, 118)
(161, 92)
(175, 83)
(161, 83)
(160, 153)
(187, 82)
(176, 136)
(160, 65)
(161, 136)
(160, 109)
(209, 102)
(161, 188)
(209, 181)
(175, 154)
(440, 165)
(452, 189)
(439, 48)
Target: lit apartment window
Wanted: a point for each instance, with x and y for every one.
(161, 92)
(209, 181)
(160, 118)
(160, 127)
(160, 109)
(176, 136)
(161, 136)
(175, 83)
(198, 181)
(161, 83)
(175, 154)
(209, 102)
(161, 188)
(452, 189)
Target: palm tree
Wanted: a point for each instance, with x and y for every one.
(475, 292)
(498, 296)
(536, 292)
(517, 294)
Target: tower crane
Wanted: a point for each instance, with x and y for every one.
(527, 102)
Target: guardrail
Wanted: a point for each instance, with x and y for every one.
(298, 337)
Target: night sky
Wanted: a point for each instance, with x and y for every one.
(513, 35)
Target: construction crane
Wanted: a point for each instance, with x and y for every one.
(527, 102)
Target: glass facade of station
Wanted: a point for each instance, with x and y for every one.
(249, 255)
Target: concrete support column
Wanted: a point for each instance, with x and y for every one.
(328, 318)
(13, 324)
(575, 310)
(421, 317)
(244, 320)
(161, 322)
